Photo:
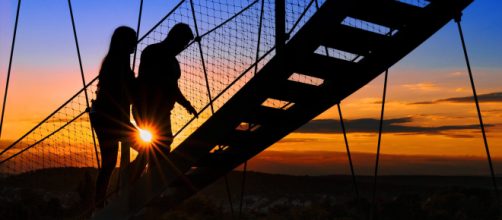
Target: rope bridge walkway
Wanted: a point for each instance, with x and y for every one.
(256, 71)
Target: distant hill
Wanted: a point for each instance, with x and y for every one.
(65, 192)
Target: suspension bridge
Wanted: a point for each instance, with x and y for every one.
(256, 71)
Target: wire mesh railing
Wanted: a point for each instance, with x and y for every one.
(61, 139)
(237, 38)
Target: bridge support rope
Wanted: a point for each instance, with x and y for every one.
(83, 80)
(351, 165)
(377, 159)
(244, 171)
(198, 39)
(288, 35)
(342, 125)
(243, 185)
(43, 139)
(137, 33)
(476, 100)
(210, 99)
(10, 66)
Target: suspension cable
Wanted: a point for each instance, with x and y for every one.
(476, 100)
(259, 36)
(243, 184)
(78, 52)
(83, 80)
(229, 19)
(10, 65)
(137, 34)
(344, 131)
(229, 195)
(11, 146)
(374, 211)
(244, 172)
(342, 125)
(198, 40)
(41, 140)
(301, 17)
(161, 20)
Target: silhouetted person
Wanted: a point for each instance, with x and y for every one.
(158, 76)
(110, 111)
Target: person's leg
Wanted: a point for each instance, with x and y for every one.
(165, 137)
(137, 166)
(129, 137)
(109, 150)
(159, 151)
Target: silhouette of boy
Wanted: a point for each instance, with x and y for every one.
(158, 76)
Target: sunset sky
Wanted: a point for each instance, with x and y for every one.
(431, 122)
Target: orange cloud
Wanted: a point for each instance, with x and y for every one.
(328, 162)
(423, 87)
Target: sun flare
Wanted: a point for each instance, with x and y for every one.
(145, 135)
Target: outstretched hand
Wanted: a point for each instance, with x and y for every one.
(192, 111)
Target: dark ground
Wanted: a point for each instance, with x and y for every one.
(67, 192)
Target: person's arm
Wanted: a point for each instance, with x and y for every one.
(180, 98)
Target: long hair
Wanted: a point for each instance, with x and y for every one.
(123, 38)
(122, 43)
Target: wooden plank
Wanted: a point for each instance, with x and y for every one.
(291, 91)
(324, 67)
(390, 13)
(263, 115)
(353, 40)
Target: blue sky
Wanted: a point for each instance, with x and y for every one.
(45, 37)
(482, 26)
(45, 53)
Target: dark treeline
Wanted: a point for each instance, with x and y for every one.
(66, 192)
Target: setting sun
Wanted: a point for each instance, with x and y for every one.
(145, 135)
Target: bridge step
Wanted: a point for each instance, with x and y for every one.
(325, 67)
(293, 91)
(352, 40)
(262, 115)
(393, 14)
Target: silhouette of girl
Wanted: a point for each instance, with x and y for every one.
(110, 110)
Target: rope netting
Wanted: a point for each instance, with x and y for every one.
(237, 38)
(63, 139)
